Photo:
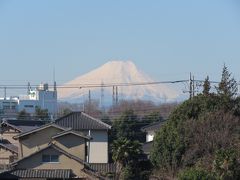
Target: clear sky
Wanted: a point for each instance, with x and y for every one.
(166, 39)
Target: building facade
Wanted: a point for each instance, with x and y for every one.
(42, 97)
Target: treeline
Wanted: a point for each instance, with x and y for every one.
(201, 139)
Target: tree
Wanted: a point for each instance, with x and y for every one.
(125, 154)
(228, 86)
(195, 174)
(66, 111)
(23, 115)
(41, 113)
(206, 87)
(127, 126)
(152, 117)
(226, 165)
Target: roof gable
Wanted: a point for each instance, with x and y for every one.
(153, 127)
(81, 121)
(38, 129)
(10, 147)
(51, 145)
(67, 132)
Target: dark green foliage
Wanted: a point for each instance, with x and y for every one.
(125, 150)
(152, 117)
(125, 154)
(226, 165)
(23, 115)
(128, 126)
(194, 131)
(206, 87)
(41, 113)
(228, 86)
(66, 111)
(195, 174)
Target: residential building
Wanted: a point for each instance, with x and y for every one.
(150, 131)
(65, 146)
(9, 146)
(98, 130)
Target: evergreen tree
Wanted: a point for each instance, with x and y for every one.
(228, 85)
(41, 113)
(23, 115)
(206, 87)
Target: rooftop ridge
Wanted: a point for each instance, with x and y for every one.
(95, 119)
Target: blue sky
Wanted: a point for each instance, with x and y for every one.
(166, 39)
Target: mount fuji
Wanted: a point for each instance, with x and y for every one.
(115, 72)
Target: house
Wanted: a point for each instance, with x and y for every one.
(9, 146)
(8, 153)
(64, 147)
(98, 130)
(50, 162)
(150, 131)
(10, 128)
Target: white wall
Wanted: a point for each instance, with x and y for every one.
(98, 147)
(150, 136)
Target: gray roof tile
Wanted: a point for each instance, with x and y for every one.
(80, 121)
(38, 173)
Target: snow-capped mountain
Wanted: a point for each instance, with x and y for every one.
(116, 72)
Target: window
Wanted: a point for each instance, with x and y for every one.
(50, 158)
(28, 106)
(54, 158)
(46, 158)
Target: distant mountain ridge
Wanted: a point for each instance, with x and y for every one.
(115, 72)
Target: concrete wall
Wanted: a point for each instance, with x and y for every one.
(98, 147)
(72, 144)
(35, 162)
(35, 141)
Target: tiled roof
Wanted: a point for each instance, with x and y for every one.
(80, 121)
(37, 173)
(153, 127)
(63, 133)
(23, 125)
(10, 147)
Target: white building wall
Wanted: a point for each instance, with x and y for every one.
(150, 136)
(28, 105)
(41, 97)
(98, 147)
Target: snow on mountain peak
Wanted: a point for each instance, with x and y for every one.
(118, 72)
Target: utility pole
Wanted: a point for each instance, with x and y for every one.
(102, 96)
(116, 94)
(190, 86)
(113, 96)
(5, 93)
(89, 96)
